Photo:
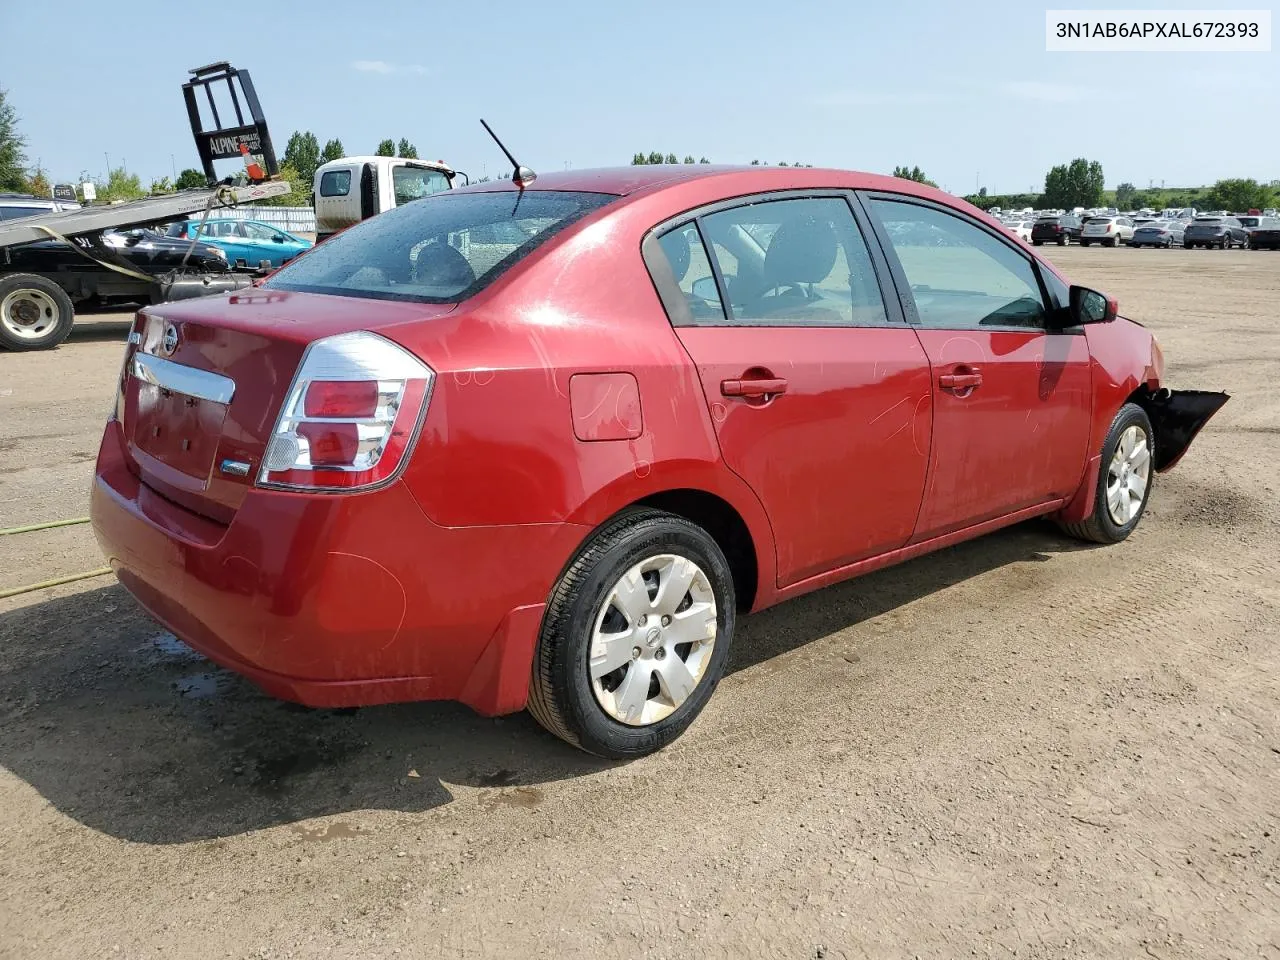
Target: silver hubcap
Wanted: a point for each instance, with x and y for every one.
(1128, 475)
(28, 313)
(652, 640)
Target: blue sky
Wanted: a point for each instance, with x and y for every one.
(965, 90)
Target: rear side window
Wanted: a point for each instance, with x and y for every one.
(798, 262)
(335, 183)
(439, 250)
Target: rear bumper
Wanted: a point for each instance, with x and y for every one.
(337, 600)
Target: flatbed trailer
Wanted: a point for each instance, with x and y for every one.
(36, 307)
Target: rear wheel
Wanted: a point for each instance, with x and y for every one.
(1037, 243)
(35, 313)
(1062, 240)
(1124, 480)
(635, 637)
(1225, 243)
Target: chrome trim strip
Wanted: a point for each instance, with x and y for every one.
(201, 384)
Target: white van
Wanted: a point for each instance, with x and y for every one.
(350, 189)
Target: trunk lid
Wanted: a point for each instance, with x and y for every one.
(203, 382)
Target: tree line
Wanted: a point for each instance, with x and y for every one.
(657, 156)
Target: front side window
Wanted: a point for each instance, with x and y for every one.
(259, 231)
(440, 250)
(335, 183)
(798, 262)
(414, 183)
(960, 275)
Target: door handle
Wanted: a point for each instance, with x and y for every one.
(765, 387)
(971, 377)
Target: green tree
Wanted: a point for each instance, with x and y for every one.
(302, 154)
(639, 160)
(656, 157)
(12, 158)
(913, 173)
(784, 164)
(1125, 193)
(1076, 184)
(671, 158)
(1238, 195)
(162, 185)
(38, 184)
(299, 194)
(387, 148)
(190, 179)
(120, 185)
(704, 160)
(755, 163)
(407, 150)
(688, 158)
(332, 151)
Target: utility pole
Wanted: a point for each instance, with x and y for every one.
(108, 159)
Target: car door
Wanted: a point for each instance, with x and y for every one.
(1011, 397)
(818, 390)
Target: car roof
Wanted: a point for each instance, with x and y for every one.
(625, 181)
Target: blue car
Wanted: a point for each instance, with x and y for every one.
(247, 243)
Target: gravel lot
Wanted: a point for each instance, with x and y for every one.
(1016, 746)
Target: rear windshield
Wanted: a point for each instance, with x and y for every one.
(440, 249)
(1249, 221)
(1208, 220)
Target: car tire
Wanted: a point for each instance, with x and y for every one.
(1062, 241)
(627, 563)
(35, 313)
(1117, 507)
(1225, 243)
(1037, 243)
(1084, 243)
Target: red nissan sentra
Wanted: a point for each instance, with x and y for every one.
(539, 445)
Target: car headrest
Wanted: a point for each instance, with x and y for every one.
(676, 247)
(441, 265)
(803, 250)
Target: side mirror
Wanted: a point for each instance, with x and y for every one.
(704, 288)
(1090, 306)
(277, 238)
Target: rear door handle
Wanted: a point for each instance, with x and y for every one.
(753, 388)
(960, 381)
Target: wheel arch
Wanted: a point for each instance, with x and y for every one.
(720, 503)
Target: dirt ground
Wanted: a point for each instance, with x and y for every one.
(1017, 747)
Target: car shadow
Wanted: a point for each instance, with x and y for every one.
(120, 726)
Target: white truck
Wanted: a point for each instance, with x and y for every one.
(350, 189)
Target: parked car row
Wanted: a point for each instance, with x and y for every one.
(1256, 232)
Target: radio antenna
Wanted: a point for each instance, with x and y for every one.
(521, 176)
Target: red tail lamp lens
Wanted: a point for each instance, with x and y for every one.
(332, 444)
(341, 398)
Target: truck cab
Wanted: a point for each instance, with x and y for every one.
(351, 189)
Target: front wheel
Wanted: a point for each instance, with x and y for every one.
(1124, 479)
(35, 313)
(1062, 241)
(635, 636)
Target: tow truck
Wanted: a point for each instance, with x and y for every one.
(37, 309)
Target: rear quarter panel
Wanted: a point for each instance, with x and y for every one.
(498, 445)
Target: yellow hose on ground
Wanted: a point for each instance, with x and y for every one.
(44, 526)
(56, 581)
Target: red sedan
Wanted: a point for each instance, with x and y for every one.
(540, 447)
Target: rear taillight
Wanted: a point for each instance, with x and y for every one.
(350, 418)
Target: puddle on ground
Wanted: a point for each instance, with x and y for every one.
(327, 831)
(201, 686)
(502, 778)
(526, 798)
(166, 646)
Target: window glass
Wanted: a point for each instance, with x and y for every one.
(259, 231)
(960, 276)
(692, 271)
(335, 183)
(439, 250)
(414, 183)
(17, 213)
(795, 263)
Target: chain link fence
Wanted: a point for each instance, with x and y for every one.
(293, 219)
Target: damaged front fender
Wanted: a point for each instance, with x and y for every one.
(1176, 417)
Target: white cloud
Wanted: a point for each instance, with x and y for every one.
(417, 68)
(373, 66)
(1040, 92)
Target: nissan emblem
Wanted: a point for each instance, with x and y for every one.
(169, 342)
